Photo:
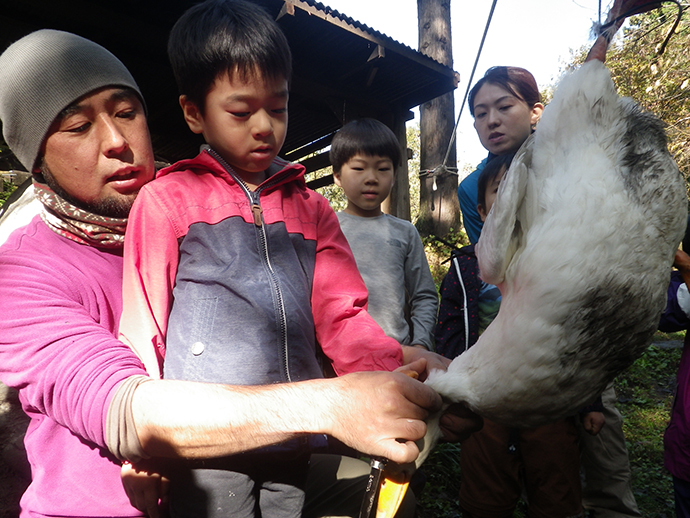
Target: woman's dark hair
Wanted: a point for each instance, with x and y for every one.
(365, 136)
(518, 81)
(224, 36)
(491, 170)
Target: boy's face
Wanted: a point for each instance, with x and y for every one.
(244, 121)
(490, 195)
(367, 181)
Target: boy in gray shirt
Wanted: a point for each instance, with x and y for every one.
(389, 252)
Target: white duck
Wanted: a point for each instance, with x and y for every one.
(580, 242)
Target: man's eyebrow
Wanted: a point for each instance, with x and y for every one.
(123, 94)
(78, 107)
(72, 109)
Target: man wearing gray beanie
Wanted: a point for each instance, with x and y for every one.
(70, 67)
(74, 117)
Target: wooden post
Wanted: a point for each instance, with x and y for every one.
(438, 205)
(398, 203)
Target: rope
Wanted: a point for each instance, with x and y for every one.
(599, 12)
(469, 82)
(444, 168)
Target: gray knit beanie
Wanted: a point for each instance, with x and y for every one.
(42, 74)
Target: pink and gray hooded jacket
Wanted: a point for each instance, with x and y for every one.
(244, 287)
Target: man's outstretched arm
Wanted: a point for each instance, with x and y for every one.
(377, 413)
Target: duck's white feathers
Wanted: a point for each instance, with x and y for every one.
(580, 241)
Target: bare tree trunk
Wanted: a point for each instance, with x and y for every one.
(438, 204)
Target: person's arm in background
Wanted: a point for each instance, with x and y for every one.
(682, 263)
(344, 328)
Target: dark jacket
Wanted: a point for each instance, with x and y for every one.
(458, 317)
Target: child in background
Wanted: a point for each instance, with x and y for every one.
(389, 252)
(235, 272)
(497, 461)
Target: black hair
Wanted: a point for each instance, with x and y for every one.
(492, 169)
(517, 81)
(365, 136)
(225, 36)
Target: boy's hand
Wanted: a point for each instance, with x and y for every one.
(593, 422)
(145, 489)
(459, 422)
(681, 261)
(434, 361)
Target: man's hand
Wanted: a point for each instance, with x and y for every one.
(145, 488)
(459, 422)
(377, 413)
(381, 413)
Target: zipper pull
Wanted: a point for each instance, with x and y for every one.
(256, 210)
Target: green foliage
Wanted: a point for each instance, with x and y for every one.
(442, 472)
(438, 252)
(644, 428)
(660, 83)
(8, 189)
(650, 379)
(334, 194)
(660, 336)
(645, 394)
(413, 143)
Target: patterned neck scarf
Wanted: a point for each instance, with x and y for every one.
(77, 224)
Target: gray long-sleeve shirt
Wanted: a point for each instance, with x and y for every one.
(390, 256)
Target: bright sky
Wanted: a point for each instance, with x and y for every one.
(534, 34)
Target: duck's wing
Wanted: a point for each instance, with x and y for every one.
(503, 230)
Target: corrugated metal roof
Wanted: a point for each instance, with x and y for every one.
(364, 29)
